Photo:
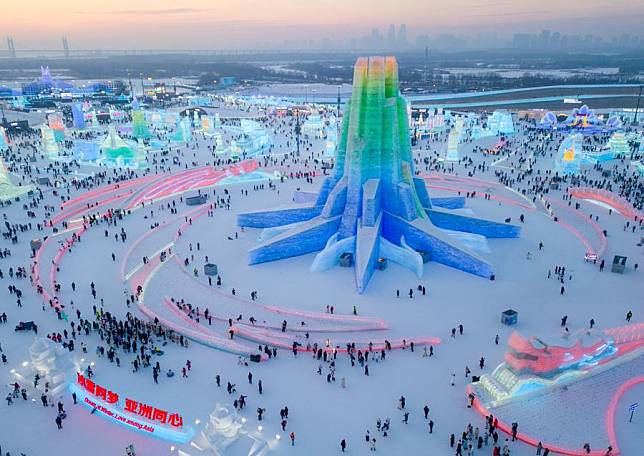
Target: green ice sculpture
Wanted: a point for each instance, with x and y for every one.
(373, 208)
(183, 132)
(140, 128)
(114, 148)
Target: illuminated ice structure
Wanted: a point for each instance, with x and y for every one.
(582, 120)
(210, 126)
(535, 363)
(140, 128)
(156, 118)
(199, 101)
(183, 133)
(500, 123)
(55, 122)
(224, 429)
(78, 116)
(549, 120)
(20, 102)
(255, 139)
(4, 140)
(8, 190)
(196, 120)
(89, 115)
(435, 121)
(252, 140)
(51, 362)
(219, 143)
(117, 152)
(48, 142)
(454, 139)
(313, 126)
(372, 208)
(86, 151)
(45, 75)
(171, 118)
(117, 115)
(331, 141)
(618, 145)
(583, 117)
(206, 124)
(569, 155)
(233, 149)
(639, 166)
(614, 122)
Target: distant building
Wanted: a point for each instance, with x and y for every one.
(521, 41)
(5, 92)
(544, 39)
(402, 36)
(46, 85)
(391, 37)
(227, 81)
(376, 40)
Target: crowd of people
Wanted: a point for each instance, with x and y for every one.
(139, 343)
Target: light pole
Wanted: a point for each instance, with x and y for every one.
(298, 130)
(637, 108)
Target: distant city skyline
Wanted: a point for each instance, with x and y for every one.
(247, 24)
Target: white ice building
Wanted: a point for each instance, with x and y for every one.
(500, 123)
(225, 429)
(453, 140)
(48, 144)
(52, 362)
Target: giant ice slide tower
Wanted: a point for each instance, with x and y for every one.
(372, 207)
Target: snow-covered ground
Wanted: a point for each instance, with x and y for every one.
(320, 413)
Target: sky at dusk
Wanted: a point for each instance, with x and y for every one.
(210, 24)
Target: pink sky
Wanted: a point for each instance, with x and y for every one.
(204, 24)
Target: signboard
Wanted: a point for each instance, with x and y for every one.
(631, 409)
(130, 413)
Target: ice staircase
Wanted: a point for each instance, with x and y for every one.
(500, 384)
